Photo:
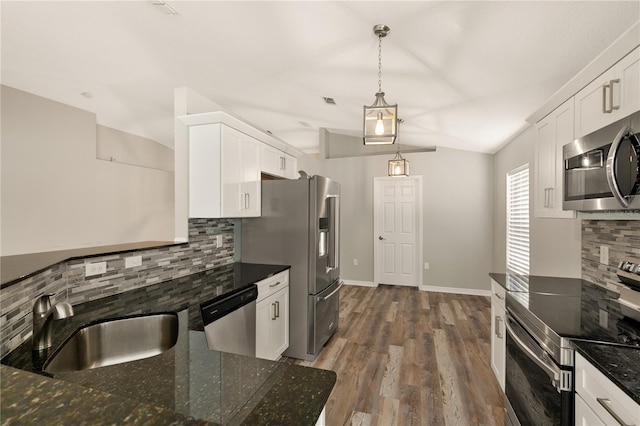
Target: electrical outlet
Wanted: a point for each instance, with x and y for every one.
(91, 269)
(355, 262)
(218, 241)
(604, 255)
(133, 261)
(426, 265)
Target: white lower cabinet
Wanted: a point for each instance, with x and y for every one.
(498, 339)
(272, 316)
(599, 401)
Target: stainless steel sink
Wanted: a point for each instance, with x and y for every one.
(115, 341)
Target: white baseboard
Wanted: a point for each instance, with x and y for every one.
(456, 290)
(362, 283)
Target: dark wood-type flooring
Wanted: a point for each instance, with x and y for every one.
(407, 357)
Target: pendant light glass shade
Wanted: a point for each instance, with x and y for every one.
(398, 166)
(380, 122)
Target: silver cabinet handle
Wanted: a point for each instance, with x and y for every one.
(548, 197)
(273, 318)
(275, 285)
(497, 327)
(606, 404)
(277, 309)
(499, 296)
(604, 99)
(611, 83)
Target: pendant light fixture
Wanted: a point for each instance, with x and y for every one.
(398, 166)
(380, 118)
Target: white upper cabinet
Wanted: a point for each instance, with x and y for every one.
(224, 172)
(278, 163)
(613, 95)
(553, 132)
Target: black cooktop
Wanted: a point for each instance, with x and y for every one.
(574, 308)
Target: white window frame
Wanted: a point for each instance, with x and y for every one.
(518, 220)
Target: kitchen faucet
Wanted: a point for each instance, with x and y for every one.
(43, 316)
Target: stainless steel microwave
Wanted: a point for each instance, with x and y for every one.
(602, 169)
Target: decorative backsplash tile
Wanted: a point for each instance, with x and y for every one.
(622, 237)
(67, 281)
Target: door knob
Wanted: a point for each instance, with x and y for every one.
(380, 238)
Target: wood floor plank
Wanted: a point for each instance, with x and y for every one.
(407, 357)
(388, 414)
(390, 387)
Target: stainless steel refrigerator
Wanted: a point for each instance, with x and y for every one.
(300, 227)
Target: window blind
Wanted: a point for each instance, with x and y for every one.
(518, 220)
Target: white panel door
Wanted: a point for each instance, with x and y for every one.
(398, 230)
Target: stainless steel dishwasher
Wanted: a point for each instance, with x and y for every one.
(230, 322)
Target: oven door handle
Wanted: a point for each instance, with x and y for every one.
(552, 370)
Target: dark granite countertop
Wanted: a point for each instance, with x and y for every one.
(20, 266)
(619, 363)
(189, 379)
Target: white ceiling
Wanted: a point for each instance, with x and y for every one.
(464, 74)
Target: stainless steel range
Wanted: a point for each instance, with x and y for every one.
(543, 316)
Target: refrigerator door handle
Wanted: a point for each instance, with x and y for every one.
(328, 296)
(333, 213)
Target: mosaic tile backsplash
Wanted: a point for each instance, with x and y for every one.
(67, 280)
(623, 239)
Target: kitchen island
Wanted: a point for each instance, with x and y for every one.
(188, 383)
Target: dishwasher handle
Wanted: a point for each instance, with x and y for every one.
(221, 306)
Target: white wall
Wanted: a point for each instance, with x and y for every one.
(57, 195)
(555, 244)
(457, 192)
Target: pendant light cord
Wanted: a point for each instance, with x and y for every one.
(379, 63)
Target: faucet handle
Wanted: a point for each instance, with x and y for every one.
(43, 304)
(62, 310)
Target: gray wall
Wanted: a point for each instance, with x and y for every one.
(57, 195)
(457, 228)
(554, 243)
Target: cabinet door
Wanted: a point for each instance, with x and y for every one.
(271, 160)
(290, 164)
(265, 312)
(232, 172)
(498, 342)
(585, 415)
(280, 330)
(629, 71)
(553, 132)
(205, 182)
(610, 97)
(590, 105)
(251, 186)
